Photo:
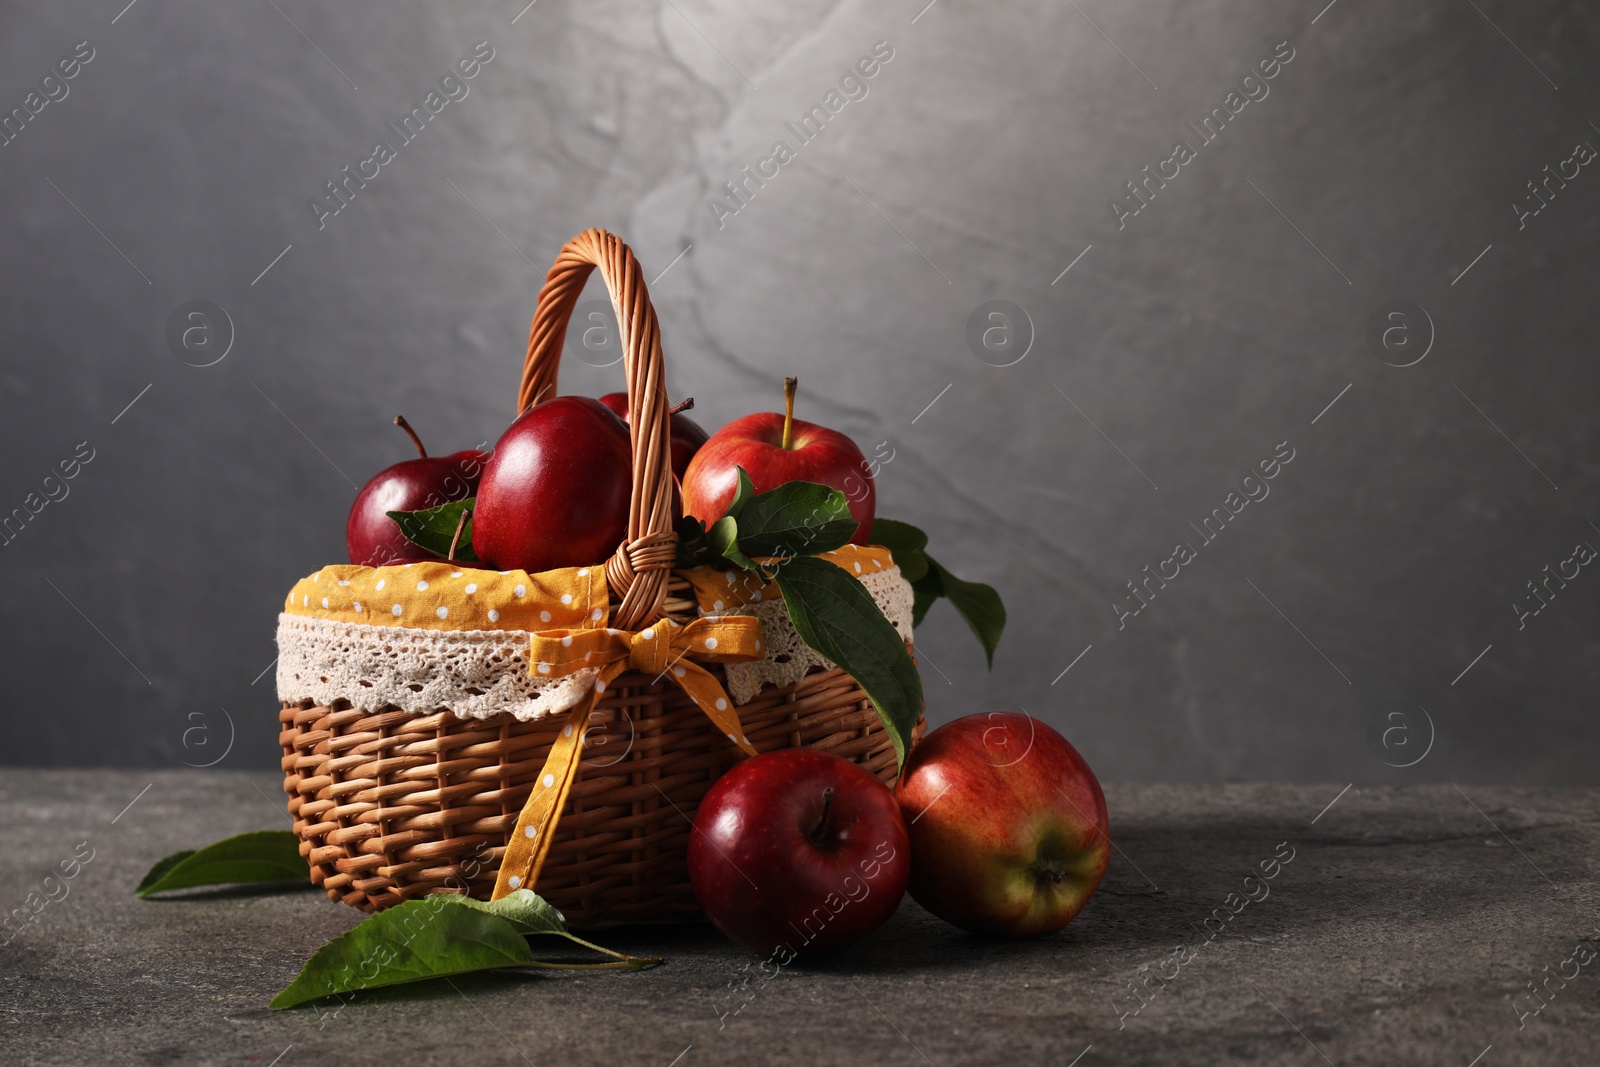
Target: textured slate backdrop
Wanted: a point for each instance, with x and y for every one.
(1216, 323)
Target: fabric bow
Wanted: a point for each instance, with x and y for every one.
(664, 649)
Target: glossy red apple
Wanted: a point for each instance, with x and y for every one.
(774, 449)
(1008, 825)
(798, 853)
(686, 434)
(370, 536)
(555, 490)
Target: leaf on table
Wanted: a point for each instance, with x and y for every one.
(155, 874)
(261, 856)
(433, 937)
(533, 915)
(835, 615)
(440, 935)
(526, 910)
(434, 528)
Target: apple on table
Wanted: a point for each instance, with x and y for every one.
(798, 853)
(1009, 833)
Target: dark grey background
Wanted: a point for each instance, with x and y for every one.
(1222, 320)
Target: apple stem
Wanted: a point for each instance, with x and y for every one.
(400, 421)
(461, 524)
(789, 387)
(684, 405)
(822, 821)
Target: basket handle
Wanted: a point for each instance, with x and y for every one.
(639, 570)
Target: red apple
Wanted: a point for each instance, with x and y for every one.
(371, 537)
(555, 490)
(798, 853)
(686, 434)
(1008, 825)
(774, 449)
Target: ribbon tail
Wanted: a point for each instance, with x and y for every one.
(708, 694)
(535, 830)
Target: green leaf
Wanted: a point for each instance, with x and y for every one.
(693, 550)
(898, 536)
(906, 543)
(723, 538)
(526, 910)
(977, 603)
(742, 495)
(913, 564)
(835, 615)
(155, 874)
(437, 936)
(262, 856)
(924, 591)
(796, 519)
(533, 915)
(433, 528)
(429, 938)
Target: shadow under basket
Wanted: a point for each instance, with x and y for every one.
(390, 805)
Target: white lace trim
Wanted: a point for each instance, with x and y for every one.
(474, 673)
(480, 673)
(789, 658)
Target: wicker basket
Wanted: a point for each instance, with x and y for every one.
(390, 805)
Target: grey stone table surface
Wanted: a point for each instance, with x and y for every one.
(1408, 925)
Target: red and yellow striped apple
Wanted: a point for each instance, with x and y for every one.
(1008, 825)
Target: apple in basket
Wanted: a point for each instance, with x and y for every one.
(371, 537)
(556, 488)
(798, 853)
(1008, 825)
(687, 435)
(774, 449)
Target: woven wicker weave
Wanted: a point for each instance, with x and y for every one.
(391, 805)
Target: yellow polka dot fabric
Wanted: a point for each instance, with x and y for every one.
(448, 596)
(728, 590)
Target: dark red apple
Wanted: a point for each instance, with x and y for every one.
(774, 449)
(686, 434)
(798, 853)
(370, 536)
(555, 490)
(1008, 825)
